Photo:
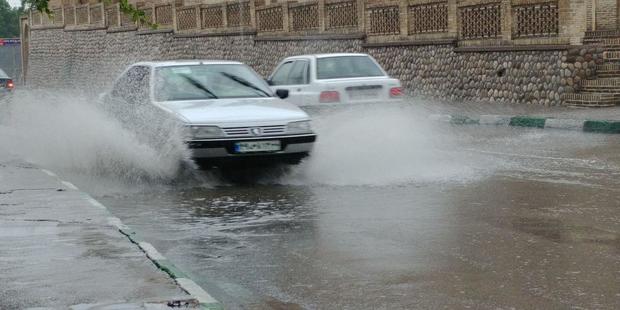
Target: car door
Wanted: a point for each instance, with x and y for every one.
(294, 76)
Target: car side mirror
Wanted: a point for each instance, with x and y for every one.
(282, 93)
(269, 82)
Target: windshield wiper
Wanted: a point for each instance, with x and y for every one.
(245, 83)
(198, 85)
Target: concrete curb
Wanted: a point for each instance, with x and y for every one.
(197, 293)
(595, 126)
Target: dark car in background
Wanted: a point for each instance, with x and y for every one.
(6, 83)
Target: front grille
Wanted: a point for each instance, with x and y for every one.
(247, 131)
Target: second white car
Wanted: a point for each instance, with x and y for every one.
(334, 79)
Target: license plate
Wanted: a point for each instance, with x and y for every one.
(363, 94)
(257, 146)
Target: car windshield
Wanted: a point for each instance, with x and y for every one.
(346, 67)
(3, 75)
(199, 82)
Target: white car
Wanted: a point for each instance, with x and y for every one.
(328, 79)
(227, 110)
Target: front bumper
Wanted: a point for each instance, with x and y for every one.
(225, 148)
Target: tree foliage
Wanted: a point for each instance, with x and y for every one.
(9, 20)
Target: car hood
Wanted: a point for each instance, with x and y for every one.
(245, 111)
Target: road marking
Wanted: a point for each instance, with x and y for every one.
(51, 174)
(150, 251)
(116, 222)
(196, 291)
(69, 185)
(96, 203)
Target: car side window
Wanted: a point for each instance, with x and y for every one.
(280, 77)
(133, 86)
(299, 73)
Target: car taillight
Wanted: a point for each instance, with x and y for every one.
(10, 84)
(329, 96)
(396, 91)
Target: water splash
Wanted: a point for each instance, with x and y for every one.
(379, 145)
(67, 132)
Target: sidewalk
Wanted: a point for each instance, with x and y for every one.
(59, 249)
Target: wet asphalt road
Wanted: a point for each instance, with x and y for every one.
(531, 221)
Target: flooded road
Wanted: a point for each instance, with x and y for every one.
(505, 218)
(390, 212)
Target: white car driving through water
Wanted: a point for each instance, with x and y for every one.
(334, 79)
(226, 110)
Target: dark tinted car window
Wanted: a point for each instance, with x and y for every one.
(346, 67)
(280, 77)
(298, 74)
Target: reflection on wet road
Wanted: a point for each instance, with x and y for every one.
(534, 224)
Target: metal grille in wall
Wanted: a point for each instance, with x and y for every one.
(96, 13)
(212, 17)
(111, 16)
(36, 18)
(270, 19)
(148, 16)
(426, 18)
(69, 16)
(535, 20)
(341, 14)
(384, 20)
(238, 14)
(163, 14)
(81, 15)
(57, 17)
(304, 17)
(186, 18)
(481, 21)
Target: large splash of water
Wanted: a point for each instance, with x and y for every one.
(379, 145)
(361, 145)
(68, 132)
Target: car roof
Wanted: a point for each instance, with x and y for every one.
(170, 63)
(328, 55)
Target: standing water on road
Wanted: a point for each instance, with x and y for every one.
(390, 212)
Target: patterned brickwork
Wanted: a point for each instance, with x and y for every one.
(383, 20)
(426, 18)
(36, 18)
(69, 15)
(480, 21)
(126, 20)
(96, 13)
(535, 20)
(186, 18)
(212, 17)
(57, 17)
(238, 14)
(270, 19)
(340, 14)
(111, 16)
(148, 16)
(81, 15)
(304, 17)
(163, 14)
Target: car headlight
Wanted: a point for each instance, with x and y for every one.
(205, 132)
(299, 127)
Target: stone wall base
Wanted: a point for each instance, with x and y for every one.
(90, 60)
